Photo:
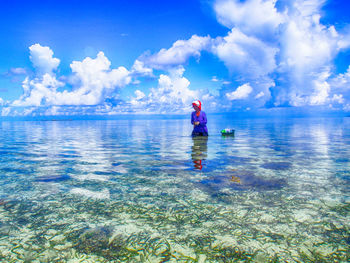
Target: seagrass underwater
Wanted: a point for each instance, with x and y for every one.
(145, 190)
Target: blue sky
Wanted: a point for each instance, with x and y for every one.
(119, 57)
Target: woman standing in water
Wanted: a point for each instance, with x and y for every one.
(199, 120)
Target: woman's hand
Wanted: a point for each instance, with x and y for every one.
(196, 123)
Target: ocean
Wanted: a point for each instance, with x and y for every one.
(146, 191)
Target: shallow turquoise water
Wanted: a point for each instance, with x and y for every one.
(144, 190)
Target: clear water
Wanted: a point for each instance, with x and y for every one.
(145, 191)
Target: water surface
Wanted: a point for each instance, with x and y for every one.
(146, 191)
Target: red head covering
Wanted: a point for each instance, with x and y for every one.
(198, 104)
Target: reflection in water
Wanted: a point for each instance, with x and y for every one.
(199, 151)
(117, 191)
(235, 179)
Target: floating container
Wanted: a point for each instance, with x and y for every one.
(228, 132)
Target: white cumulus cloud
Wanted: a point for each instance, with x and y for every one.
(139, 68)
(289, 46)
(93, 81)
(321, 90)
(259, 95)
(253, 17)
(171, 95)
(341, 82)
(38, 91)
(242, 92)
(308, 49)
(340, 86)
(338, 98)
(179, 53)
(5, 111)
(246, 55)
(139, 94)
(42, 59)
(135, 101)
(280, 47)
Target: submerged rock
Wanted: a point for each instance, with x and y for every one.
(240, 180)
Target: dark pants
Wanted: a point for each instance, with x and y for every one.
(199, 134)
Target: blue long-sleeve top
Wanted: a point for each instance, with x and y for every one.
(200, 129)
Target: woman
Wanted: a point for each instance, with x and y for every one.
(199, 120)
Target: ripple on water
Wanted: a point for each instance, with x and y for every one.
(108, 193)
(277, 165)
(52, 178)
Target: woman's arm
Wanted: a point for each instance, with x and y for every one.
(192, 120)
(203, 120)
